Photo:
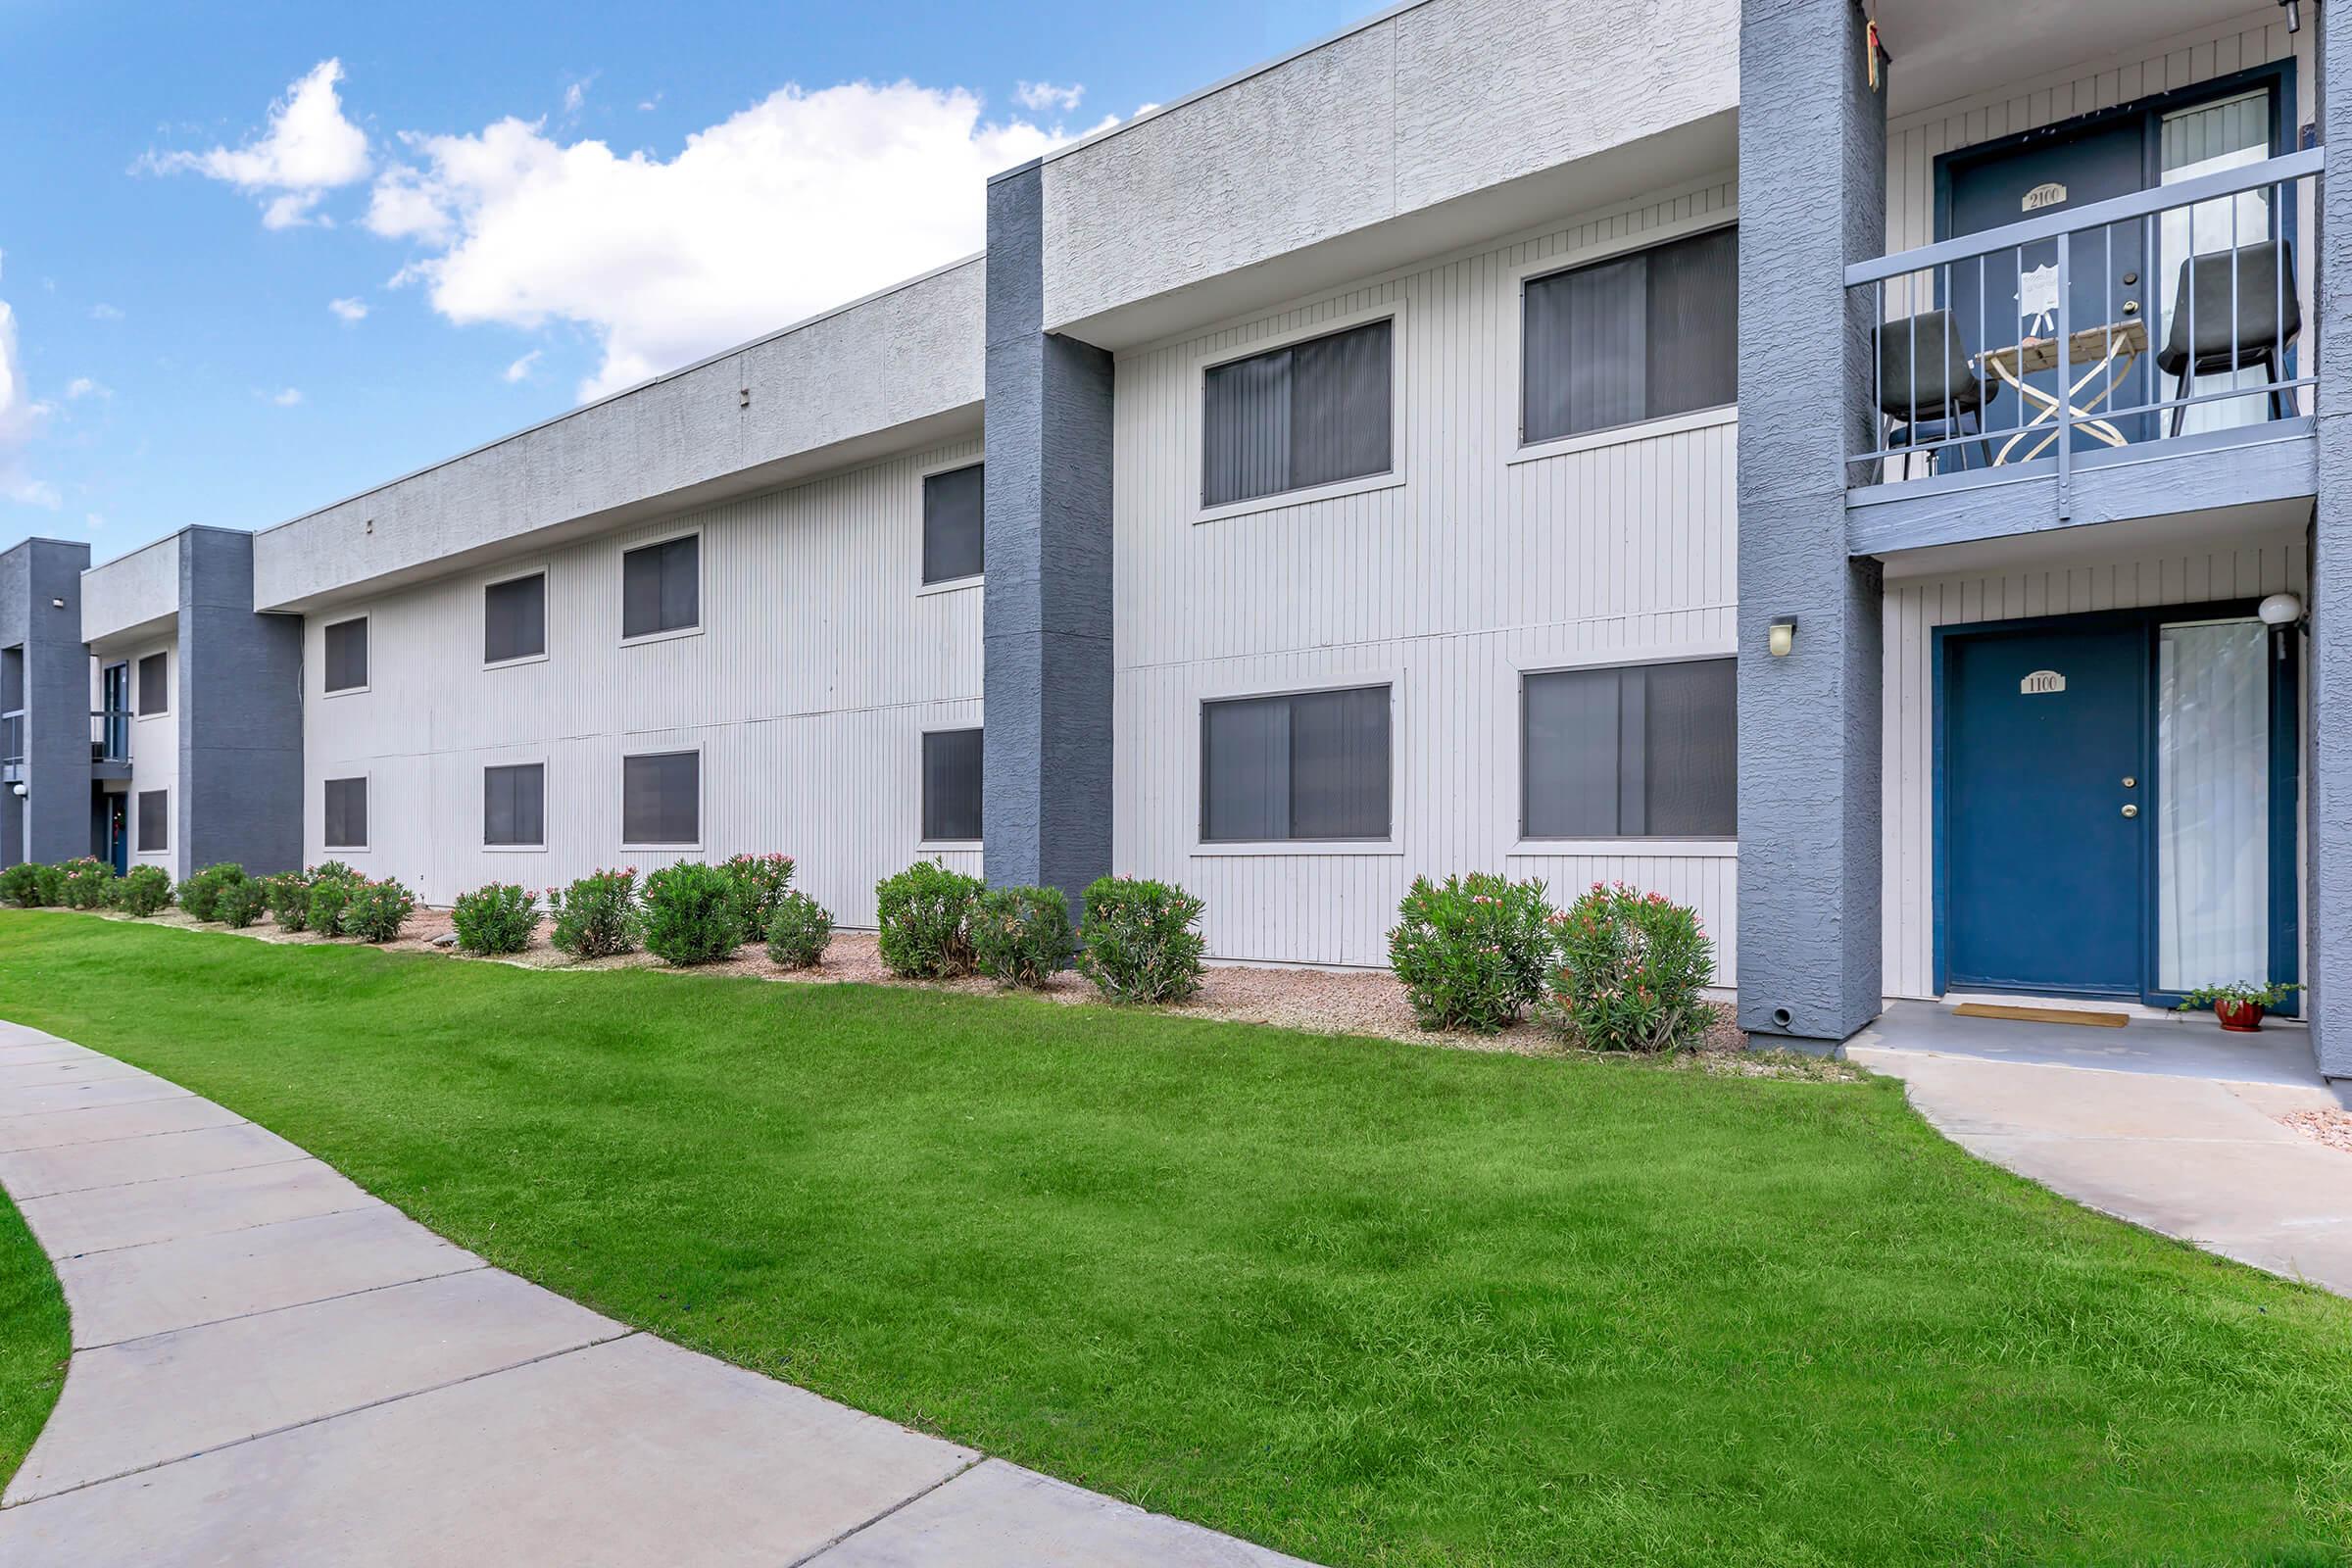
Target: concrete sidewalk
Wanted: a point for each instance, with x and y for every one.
(271, 1367)
(2171, 1125)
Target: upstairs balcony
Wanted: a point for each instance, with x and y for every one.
(110, 744)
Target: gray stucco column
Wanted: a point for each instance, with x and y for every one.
(41, 623)
(240, 714)
(2327, 969)
(1046, 781)
(1812, 199)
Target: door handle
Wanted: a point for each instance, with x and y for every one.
(2131, 307)
(2131, 811)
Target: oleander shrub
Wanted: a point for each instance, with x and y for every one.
(1021, 936)
(377, 910)
(200, 894)
(1138, 943)
(757, 885)
(925, 914)
(21, 885)
(329, 903)
(596, 916)
(498, 919)
(690, 914)
(1473, 951)
(89, 883)
(1632, 967)
(332, 870)
(798, 932)
(242, 902)
(288, 896)
(144, 890)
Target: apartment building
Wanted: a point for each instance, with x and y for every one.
(1879, 495)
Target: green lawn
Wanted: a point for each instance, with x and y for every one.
(34, 1343)
(1367, 1303)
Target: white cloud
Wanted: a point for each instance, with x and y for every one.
(349, 310)
(795, 204)
(309, 148)
(1044, 96)
(103, 311)
(21, 420)
(82, 386)
(94, 521)
(574, 96)
(521, 368)
(287, 397)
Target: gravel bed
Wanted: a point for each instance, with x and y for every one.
(2331, 1127)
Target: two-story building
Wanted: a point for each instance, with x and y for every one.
(1876, 487)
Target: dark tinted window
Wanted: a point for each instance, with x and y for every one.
(1309, 766)
(515, 619)
(1639, 751)
(155, 818)
(347, 654)
(951, 784)
(661, 799)
(953, 534)
(512, 804)
(155, 684)
(1632, 338)
(661, 588)
(346, 813)
(1312, 413)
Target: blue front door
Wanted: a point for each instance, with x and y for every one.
(2045, 821)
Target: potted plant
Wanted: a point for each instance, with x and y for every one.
(2239, 1007)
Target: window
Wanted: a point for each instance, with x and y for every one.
(1644, 751)
(662, 588)
(514, 804)
(515, 619)
(661, 799)
(347, 654)
(155, 685)
(953, 534)
(1314, 413)
(1313, 766)
(347, 814)
(951, 785)
(154, 821)
(1632, 338)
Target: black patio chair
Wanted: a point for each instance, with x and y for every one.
(1929, 388)
(2247, 313)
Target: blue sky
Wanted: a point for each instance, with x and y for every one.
(256, 258)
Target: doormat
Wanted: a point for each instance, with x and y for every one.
(2088, 1020)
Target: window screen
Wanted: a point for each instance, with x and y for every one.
(1636, 338)
(155, 684)
(515, 619)
(346, 813)
(1313, 766)
(953, 534)
(951, 784)
(1312, 413)
(347, 654)
(514, 802)
(661, 799)
(1646, 751)
(660, 587)
(154, 821)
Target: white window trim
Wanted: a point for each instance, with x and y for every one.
(701, 800)
(171, 792)
(546, 620)
(946, 585)
(540, 763)
(167, 710)
(1392, 310)
(364, 686)
(1678, 847)
(702, 589)
(945, 846)
(1514, 354)
(367, 775)
(1350, 679)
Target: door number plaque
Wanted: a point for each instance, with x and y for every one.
(2042, 683)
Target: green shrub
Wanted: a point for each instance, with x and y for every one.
(925, 914)
(51, 880)
(329, 902)
(377, 909)
(89, 883)
(596, 918)
(289, 895)
(331, 870)
(200, 894)
(1021, 936)
(690, 914)
(757, 884)
(241, 903)
(1139, 941)
(21, 885)
(498, 919)
(798, 932)
(144, 891)
(1472, 951)
(1631, 969)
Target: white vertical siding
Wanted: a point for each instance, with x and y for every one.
(818, 668)
(154, 753)
(1446, 585)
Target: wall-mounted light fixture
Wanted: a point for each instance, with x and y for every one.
(2281, 610)
(20, 792)
(1783, 636)
(2295, 16)
(56, 604)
